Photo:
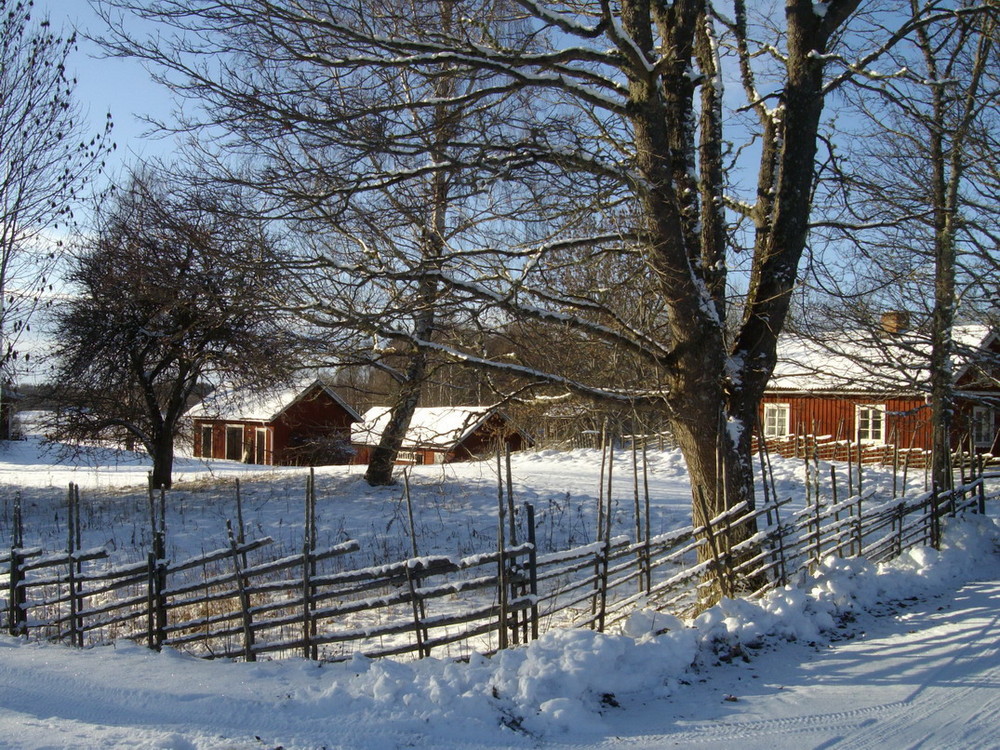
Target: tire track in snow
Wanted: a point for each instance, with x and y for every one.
(954, 703)
(728, 731)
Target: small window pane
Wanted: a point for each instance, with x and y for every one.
(870, 427)
(776, 420)
(983, 431)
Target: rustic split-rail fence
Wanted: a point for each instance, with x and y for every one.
(239, 602)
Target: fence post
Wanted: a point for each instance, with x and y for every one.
(156, 604)
(647, 550)
(75, 630)
(510, 538)
(719, 568)
(17, 617)
(779, 554)
(309, 649)
(861, 460)
(74, 566)
(858, 526)
(982, 486)
(835, 499)
(818, 532)
(603, 583)
(18, 602)
(416, 604)
(850, 468)
(241, 585)
(935, 519)
(532, 568)
(636, 509)
(901, 520)
(502, 589)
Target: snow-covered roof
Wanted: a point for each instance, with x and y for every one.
(243, 405)
(861, 362)
(433, 427)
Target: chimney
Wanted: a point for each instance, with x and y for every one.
(895, 321)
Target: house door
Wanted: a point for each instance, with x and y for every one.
(206, 442)
(260, 452)
(234, 443)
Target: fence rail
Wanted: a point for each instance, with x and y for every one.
(236, 602)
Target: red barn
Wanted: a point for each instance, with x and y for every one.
(301, 426)
(441, 434)
(873, 391)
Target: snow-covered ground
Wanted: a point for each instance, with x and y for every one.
(898, 656)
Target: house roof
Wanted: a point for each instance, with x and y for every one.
(244, 405)
(435, 427)
(860, 362)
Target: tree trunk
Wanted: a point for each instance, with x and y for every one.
(379, 472)
(163, 462)
(942, 399)
(717, 452)
(433, 233)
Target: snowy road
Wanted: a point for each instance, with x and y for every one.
(928, 677)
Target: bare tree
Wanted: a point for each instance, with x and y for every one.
(173, 291)
(383, 180)
(915, 198)
(45, 160)
(628, 117)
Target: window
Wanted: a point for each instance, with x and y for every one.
(410, 457)
(871, 424)
(776, 420)
(206, 441)
(234, 443)
(261, 452)
(983, 427)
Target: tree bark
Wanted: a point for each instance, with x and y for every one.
(163, 462)
(383, 457)
(433, 233)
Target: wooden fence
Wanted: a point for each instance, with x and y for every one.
(900, 457)
(236, 602)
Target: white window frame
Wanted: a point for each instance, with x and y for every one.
(781, 413)
(864, 412)
(983, 426)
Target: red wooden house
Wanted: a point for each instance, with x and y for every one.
(441, 434)
(302, 426)
(872, 391)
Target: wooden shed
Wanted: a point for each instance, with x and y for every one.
(441, 434)
(873, 391)
(306, 425)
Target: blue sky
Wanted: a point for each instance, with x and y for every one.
(120, 86)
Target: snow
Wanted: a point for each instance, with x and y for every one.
(241, 404)
(857, 655)
(857, 361)
(440, 427)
